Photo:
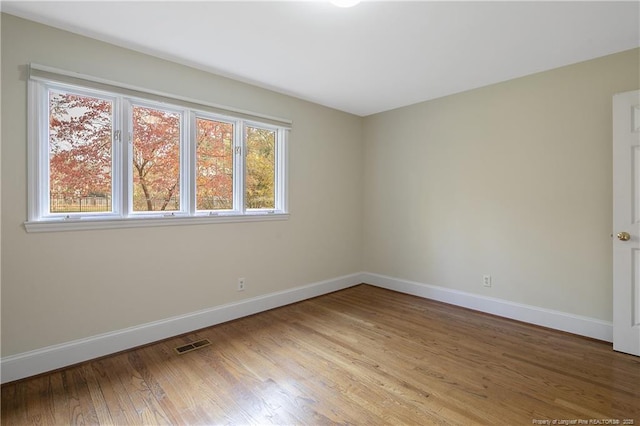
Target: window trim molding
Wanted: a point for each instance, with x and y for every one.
(41, 78)
(45, 73)
(87, 223)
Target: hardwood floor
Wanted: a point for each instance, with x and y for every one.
(360, 356)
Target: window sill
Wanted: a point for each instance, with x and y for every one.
(91, 224)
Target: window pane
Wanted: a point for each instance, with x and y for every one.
(260, 161)
(80, 146)
(156, 160)
(214, 165)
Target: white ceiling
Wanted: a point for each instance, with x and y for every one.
(373, 57)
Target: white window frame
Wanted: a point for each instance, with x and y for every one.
(238, 164)
(129, 104)
(279, 172)
(39, 173)
(42, 79)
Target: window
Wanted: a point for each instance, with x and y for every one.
(155, 159)
(214, 164)
(80, 153)
(261, 147)
(104, 156)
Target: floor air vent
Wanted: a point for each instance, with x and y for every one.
(192, 346)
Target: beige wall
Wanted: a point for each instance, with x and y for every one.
(512, 180)
(61, 286)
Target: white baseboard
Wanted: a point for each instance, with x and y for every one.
(576, 324)
(38, 361)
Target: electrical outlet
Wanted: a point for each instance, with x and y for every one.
(486, 280)
(241, 284)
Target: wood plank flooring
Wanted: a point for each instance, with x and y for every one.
(360, 356)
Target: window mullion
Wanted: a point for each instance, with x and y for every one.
(191, 168)
(118, 141)
(126, 174)
(185, 162)
(239, 170)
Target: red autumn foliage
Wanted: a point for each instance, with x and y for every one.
(214, 165)
(156, 159)
(81, 157)
(80, 129)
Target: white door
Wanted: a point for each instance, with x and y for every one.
(626, 222)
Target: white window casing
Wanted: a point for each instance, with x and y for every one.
(123, 98)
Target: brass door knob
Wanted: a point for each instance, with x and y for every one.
(624, 236)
